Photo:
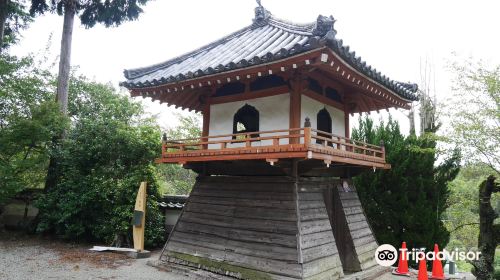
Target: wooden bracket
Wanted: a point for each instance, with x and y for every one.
(272, 161)
(309, 154)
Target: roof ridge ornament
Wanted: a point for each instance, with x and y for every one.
(412, 87)
(324, 27)
(261, 14)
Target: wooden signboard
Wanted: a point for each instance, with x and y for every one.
(139, 218)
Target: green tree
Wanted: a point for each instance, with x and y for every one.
(178, 180)
(13, 18)
(28, 122)
(107, 152)
(462, 215)
(407, 202)
(109, 13)
(475, 113)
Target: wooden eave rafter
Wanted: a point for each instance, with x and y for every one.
(326, 81)
(323, 99)
(250, 95)
(185, 96)
(364, 102)
(281, 67)
(194, 101)
(337, 67)
(323, 65)
(372, 104)
(175, 97)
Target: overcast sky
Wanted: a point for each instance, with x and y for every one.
(394, 36)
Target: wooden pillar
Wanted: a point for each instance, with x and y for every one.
(307, 132)
(206, 123)
(295, 105)
(346, 120)
(346, 124)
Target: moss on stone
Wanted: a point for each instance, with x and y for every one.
(212, 265)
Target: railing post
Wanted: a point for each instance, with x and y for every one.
(382, 146)
(204, 146)
(164, 145)
(307, 132)
(247, 140)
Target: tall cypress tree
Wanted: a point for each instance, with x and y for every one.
(407, 202)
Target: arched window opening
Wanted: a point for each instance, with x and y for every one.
(324, 123)
(246, 120)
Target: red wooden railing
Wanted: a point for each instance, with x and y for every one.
(333, 141)
(295, 138)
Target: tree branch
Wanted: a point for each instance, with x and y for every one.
(463, 225)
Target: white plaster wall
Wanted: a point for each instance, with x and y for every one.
(273, 115)
(311, 107)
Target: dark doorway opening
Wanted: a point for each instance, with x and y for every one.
(324, 123)
(246, 120)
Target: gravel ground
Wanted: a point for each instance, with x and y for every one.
(27, 257)
(23, 257)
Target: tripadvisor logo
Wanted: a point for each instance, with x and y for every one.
(387, 255)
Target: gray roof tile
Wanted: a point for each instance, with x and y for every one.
(267, 39)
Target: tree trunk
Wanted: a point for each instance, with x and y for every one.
(411, 117)
(488, 233)
(65, 57)
(4, 4)
(62, 84)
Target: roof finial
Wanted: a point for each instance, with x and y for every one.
(261, 14)
(324, 25)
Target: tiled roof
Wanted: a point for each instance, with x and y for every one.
(173, 201)
(171, 205)
(266, 40)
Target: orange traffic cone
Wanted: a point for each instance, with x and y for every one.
(437, 266)
(403, 262)
(422, 270)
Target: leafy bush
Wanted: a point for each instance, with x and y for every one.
(107, 152)
(28, 122)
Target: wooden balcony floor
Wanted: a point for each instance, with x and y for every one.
(332, 149)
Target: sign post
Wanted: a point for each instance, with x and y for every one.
(139, 218)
